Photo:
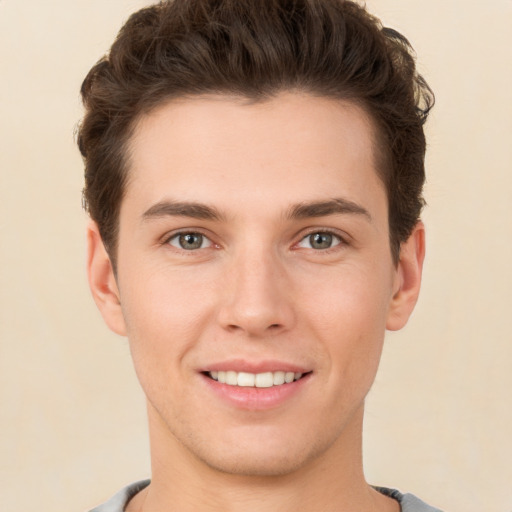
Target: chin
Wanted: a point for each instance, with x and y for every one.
(256, 465)
(256, 457)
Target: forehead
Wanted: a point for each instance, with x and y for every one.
(291, 148)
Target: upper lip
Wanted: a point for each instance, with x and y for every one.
(240, 365)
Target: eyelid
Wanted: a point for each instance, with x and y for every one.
(185, 231)
(342, 237)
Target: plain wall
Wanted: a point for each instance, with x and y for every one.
(72, 417)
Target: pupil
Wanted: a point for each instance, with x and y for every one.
(191, 241)
(321, 240)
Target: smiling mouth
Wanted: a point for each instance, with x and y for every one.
(255, 380)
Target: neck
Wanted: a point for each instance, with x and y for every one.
(333, 482)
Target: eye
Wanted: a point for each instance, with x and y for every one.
(320, 240)
(189, 241)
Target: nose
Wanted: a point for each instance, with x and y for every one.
(257, 297)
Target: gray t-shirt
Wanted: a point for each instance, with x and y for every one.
(118, 502)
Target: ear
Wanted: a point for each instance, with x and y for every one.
(408, 279)
(102, 281)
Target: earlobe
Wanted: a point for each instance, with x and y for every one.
(410, 266)
(102, 281)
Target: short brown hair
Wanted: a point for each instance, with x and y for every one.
(255, 49)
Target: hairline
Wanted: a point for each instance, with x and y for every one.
(380, 157)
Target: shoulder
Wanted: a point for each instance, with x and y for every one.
(119, 501)
(408, 502)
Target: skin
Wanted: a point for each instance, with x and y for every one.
(256, 290)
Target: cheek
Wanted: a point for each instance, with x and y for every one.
(349, 315)
(164, 318)
(349, 297)
(163, 298)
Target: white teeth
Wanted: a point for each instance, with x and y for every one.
(264, 380)
(246, 379)
(259, 380)
(231, 378)
(278, 378)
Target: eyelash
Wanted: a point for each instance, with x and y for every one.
(167, 240)
(341, 241)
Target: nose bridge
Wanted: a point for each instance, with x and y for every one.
(257, 298)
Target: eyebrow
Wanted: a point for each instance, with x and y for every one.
(299, 211)
(182, 209)
(330, 207)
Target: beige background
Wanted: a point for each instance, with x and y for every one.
(72, 419)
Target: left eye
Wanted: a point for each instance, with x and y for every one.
(320, 240)
(189, 241)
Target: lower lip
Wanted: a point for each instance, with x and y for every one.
(256, 399)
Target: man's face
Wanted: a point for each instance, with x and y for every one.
(254, 247)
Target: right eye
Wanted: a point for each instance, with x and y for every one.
(320, 240)
(189, 241)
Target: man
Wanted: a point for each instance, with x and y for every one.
(253, 176)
